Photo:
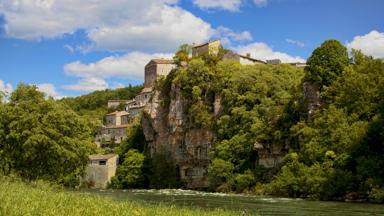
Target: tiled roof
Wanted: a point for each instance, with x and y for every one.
(101, 156)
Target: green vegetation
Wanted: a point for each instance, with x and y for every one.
(94, 104)
(326, 63)
(138, 168)
(343, 146)
(39, 198)
(335, 153)
(39, 139)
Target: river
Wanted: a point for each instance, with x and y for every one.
(242, 203)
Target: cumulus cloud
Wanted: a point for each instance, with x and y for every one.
(260, 3)
(129, 66)
(88, 84)
(263, 52)
(123, 25)
(230, 5)
(93, 75)
(49, 89)
(227, 35)
(370, 44)
(295, 42)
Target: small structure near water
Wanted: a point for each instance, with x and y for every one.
(100, 170)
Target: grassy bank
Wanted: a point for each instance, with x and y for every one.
(39, 198)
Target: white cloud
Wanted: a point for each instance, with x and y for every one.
(295, 42)
(93, 75)
(263, 52)
(230, 5)
(129, 66)
(121, 25)
(170, 27)
(260, 3)
(49, 89)
(88, 84)
(227, 35)
(370, 44)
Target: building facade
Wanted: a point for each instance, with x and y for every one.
(210, 48)
(156, 68)
(100, 170)
(242, 59)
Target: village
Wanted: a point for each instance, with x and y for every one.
(102, 167)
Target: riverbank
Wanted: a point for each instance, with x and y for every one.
(40, 198)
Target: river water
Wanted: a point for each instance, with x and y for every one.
(242, 203)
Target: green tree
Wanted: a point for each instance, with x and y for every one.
(41, 139)
(327, 63)
(130, 174)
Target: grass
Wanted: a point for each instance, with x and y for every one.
(18, 198)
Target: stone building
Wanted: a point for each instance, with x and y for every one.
(242, 59)
(156, 68)
(100, 170)
(210, 47)
(114, 129)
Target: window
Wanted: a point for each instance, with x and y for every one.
(102, 162)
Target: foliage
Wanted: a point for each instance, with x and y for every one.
(130, 172)
(94, 104)
(41, 139)
(40, 198)
(343, 144)
(182, 54)
(326, 63)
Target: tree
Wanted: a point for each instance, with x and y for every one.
(326, 63)
(41, 139)
(130, 172)
(182, 54)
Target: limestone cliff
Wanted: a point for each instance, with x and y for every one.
(166, 128)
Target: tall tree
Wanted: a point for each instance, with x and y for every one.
(326, 63)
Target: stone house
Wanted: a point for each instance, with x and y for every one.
(210, 47)
(100, 170)
(242, 59)
(114, 129)
(114, 118)
(156, 68)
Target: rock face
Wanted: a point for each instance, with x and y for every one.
(312, 95)
(166, 128)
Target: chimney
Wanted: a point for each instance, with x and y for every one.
(248, 55)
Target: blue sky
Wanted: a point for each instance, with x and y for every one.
(71, 47)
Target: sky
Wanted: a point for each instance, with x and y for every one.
(72, 47)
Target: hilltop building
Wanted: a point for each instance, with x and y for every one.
(242, 59)
(100, 170)
(156, 68)
(210, 47)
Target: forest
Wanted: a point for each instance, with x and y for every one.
(335, 152)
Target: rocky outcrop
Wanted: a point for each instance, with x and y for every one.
(166, 128)
(312, 96)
